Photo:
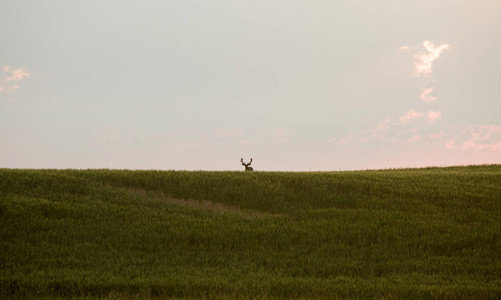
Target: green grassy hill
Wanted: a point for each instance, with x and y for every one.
(418, 233)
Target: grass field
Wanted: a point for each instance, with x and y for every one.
(410, 233)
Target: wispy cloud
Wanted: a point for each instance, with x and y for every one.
(10, 89)
(478, 138)
(437, 135)
(424, 60)
(381, 126)
(425, 95)
(15, 75)
(423, 67)
(379, 132)
(410, 115)
(18, 74)
(430, 116)
(403, 48)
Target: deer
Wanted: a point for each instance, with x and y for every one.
(247, 168)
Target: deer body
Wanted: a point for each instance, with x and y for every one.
(247, 168)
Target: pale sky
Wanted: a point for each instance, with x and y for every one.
(296, 85)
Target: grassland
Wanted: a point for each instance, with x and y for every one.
(415, 233)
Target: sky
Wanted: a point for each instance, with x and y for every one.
(296, 85)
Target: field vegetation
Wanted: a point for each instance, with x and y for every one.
(388, 234)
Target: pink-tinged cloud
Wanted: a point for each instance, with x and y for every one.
(430, 116)
(477, 138)
(424, 61)
(18, 74)
(403, 48)
(425, 96)
(437, 135)
(8, 90)
(433, 116)
(410, 115)
(381, 126)
(6, 69)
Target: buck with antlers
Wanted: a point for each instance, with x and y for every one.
(247, 168)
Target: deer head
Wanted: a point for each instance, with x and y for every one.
(247, 168)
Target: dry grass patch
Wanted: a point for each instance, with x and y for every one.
(210, 206)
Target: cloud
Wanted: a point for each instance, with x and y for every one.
(410, 115)
(18, 74)
(403, 48)
(424, 61)
(430, 116)
(381, 126)
(15, 75)
(378, 132)
(425, 96)
(9, 89)
(478, 138)
(437, 135)
(423, 67)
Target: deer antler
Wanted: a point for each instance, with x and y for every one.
(247, 168)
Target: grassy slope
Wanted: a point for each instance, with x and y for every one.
(394, 233)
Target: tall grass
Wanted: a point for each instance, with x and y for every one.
(416, 233)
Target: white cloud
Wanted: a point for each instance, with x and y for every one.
(424, 61)
(423, 66)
